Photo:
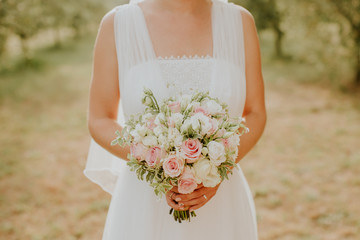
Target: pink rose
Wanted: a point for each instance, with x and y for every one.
(191, 149)
(154, 156)
(175, 107)
(187, 182)
(138, 150)
(173, 166)
(201, 110)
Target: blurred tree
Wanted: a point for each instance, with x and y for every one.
(3, 29)
(22, 19)
(349, 10)
(267, 16)
(26, 19)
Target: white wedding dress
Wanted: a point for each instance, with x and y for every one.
(134, 212)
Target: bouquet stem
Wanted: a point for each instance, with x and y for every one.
(182, 215)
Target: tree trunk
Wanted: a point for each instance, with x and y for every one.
(278, 42)
(24, 47)
(357, 78)
(57, 37)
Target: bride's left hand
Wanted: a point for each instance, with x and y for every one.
(196, 199)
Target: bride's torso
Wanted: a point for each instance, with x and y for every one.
(221, 74)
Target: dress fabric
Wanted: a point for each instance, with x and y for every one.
(134, 212)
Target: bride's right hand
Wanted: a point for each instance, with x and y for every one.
(171, 201)
(170, 198)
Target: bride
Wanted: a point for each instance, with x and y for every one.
(173, 47)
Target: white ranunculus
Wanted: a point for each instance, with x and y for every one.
(135, 135)
(204, 121)
(204, 151)
(150, 140)
(185, 100)
(195, 124)
(216, 152)
(159, 118)
(207, 173)
(190, 122)
(234, 141)
(213, 107)
(146, 117)
(158, 130)
(177, 118)
(148, 101)
(175, 136)
(140, 129)
(234, 156)
(185, 125)
(163, 140)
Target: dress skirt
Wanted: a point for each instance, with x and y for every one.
(135, 213)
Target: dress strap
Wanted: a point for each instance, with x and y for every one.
(133, 44)
(228, 34)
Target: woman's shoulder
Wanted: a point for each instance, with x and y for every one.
(245, 13)
(118, 9)
(108, 18)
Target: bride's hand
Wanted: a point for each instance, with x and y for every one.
(171, 195)
(194, 200)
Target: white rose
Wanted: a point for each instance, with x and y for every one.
(213, 107)
(216, 152)
(207, 173)
(150, 140)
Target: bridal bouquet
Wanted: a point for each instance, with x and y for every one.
(185, 141)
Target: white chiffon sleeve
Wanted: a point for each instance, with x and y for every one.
(102, 167)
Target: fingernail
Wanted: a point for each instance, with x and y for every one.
(182, 208)
(177, 199)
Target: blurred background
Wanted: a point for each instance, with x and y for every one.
(304, 172)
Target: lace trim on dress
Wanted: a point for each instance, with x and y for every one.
(185, 57)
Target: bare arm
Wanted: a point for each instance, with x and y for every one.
(254, 111)
(104, 90)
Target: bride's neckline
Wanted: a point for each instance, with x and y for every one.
(184, 57)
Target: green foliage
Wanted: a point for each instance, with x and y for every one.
(161, 185)
(25, 19)
(267, 15)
